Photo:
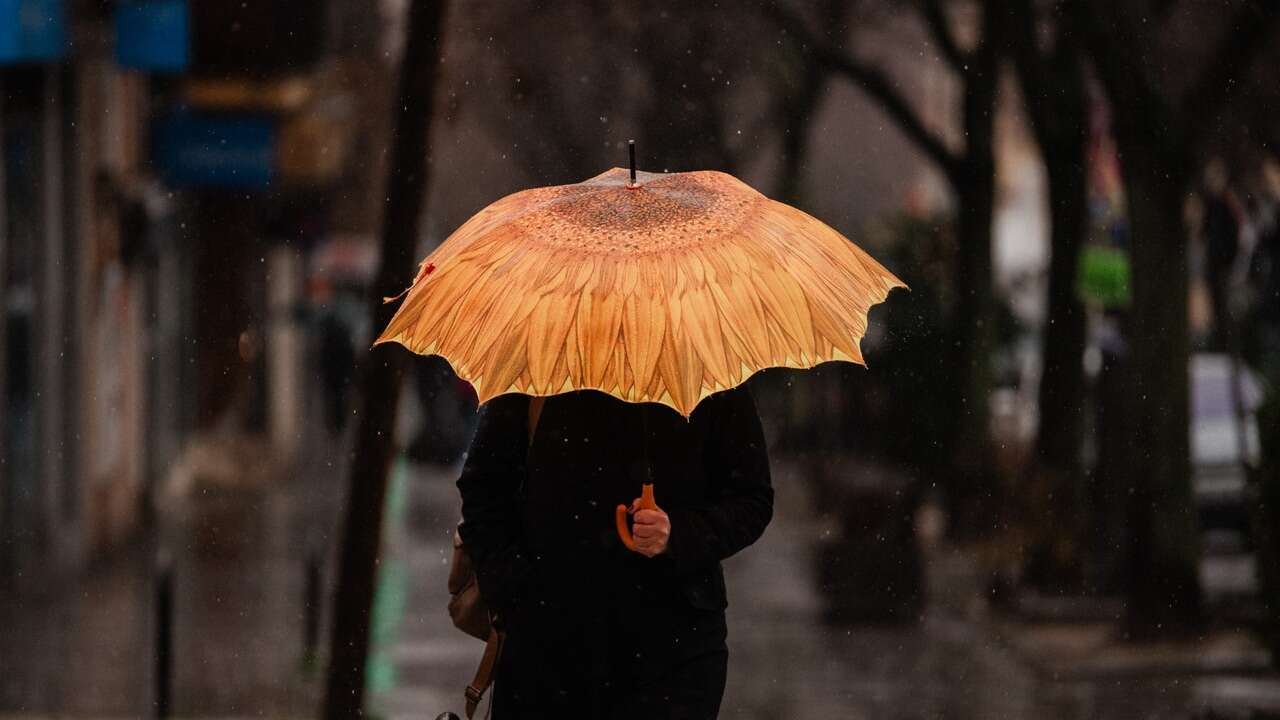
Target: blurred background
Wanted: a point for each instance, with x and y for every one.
(1055, 493)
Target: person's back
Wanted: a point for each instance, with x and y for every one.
(594, 629)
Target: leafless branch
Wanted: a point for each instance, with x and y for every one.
(1254, 24)
(935, 17)
(875, 84)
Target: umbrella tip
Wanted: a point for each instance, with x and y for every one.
(631, 152)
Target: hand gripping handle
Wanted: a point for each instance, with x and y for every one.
(620, 515)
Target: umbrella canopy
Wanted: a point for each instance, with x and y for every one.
(663, 290)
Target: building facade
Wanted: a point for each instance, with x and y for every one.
(160, 183)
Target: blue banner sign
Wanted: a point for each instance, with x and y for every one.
(153, 35)
(216, 150)
(32, 31)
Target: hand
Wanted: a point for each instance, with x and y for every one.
(651, 529)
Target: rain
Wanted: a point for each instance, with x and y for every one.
(920, 360)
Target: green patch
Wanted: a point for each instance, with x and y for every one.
(391, 594)
(1103, 277)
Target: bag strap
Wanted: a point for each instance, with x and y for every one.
(493, 646)
(484, 674)
(535, 412)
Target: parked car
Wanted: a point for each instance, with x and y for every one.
(1224, 439)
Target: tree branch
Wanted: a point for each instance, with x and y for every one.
(1107, 33)
(1244, 38)
(874, 83)
(935, 18)
(1052, 81)
(1028, 62)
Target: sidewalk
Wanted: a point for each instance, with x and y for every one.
(960, 661)
(239, 553)
(238, 544)
(783, 662)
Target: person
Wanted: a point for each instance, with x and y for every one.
(594, 630)
(1262, 331)
(1220, 229)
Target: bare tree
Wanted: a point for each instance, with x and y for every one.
(1050, 71)
(382, 371)
(798, 82)
(970, 173)
(1165, 103)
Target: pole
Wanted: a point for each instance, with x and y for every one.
(7, 513)
(631, 152)
(644, 439)
(310, 610)
(381, 371)
(163, 636)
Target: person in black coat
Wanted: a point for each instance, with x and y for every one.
(595, 630)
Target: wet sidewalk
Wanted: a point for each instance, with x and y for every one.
(958, 662)
(238, 542)
(239, 556)
(784, 663)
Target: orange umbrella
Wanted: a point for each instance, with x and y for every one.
(656, 287)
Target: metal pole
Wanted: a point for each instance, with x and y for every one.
(163, 636)
(631, 151)
(6, 526)
(311, 610)
(644, 439)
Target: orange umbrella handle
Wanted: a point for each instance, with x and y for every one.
(620, 515)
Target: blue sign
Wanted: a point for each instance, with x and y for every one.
(215, 150)
(32, 31)
(153, 35)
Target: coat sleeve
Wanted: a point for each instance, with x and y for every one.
(492, 510)
(741, 493)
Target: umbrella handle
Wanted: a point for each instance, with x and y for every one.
(620, 515)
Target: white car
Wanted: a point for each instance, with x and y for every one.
(1222, 435)
(1219, 431)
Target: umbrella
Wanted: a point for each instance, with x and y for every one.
(652, 287)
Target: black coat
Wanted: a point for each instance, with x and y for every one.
(589, 622)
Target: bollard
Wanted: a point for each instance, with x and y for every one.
(311, 610)
(163, 635)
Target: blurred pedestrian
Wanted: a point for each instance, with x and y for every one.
(1264, 271)
(336, 354)
(448, 409)
(1220, 229)
(595, 630)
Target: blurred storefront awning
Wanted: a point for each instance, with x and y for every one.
(216, 150)
(153, 35)
(286, 94)
(32, 31)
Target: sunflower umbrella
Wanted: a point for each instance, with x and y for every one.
(661, 288)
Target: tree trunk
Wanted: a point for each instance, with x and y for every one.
(1058, 562)
(1265, 489)
(797, 116)
(1053, 88)
(795, 142)
(974, 316)
(1164, 593)
(382, 371)
(1058, 438)
(968, 449)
